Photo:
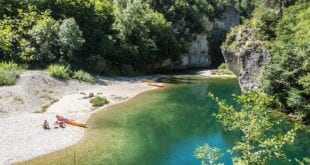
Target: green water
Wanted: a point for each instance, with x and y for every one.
(158, 127)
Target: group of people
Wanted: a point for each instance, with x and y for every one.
(59, 122)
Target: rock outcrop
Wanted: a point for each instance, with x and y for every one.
(197, 55)
(229, 19)
(245, 56)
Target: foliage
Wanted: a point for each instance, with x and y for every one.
(83, 76)
(258, 143)
(43, 43)
(59, 71)
(208, 155)
(99, 101)
(145, 35)
(287, 74)
(70, 38)
(101, 36)
(223, 66)
(8, 73)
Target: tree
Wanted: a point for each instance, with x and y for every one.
(70, 38)
(258, 142)
(145, 35)
(6, 38)
(44, 40)
(285, 76)
(208, 155)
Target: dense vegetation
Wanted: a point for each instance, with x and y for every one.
(282, 26)
(259, 143)
(287, 76)
(8, 73)
(107, 36)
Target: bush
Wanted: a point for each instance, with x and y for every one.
(223, 66)
(59, 71)
(99, 101)
(8, 73)
(83, 76)
(127, 70)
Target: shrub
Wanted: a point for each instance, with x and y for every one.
(8, 73)
(127, 70)
(99, 101)
(83, 76)
(223, 66)
(59, 71)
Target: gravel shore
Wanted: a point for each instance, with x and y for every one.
(37, 97)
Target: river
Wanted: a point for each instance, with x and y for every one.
(159, 127)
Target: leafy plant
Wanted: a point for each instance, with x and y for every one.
(9, 71)
(208, 155)
(83, 76)
(59, 71)
(99, 101)
(286, 76)
(258, 143)
(223, 66)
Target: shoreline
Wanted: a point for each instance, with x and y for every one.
(23, 137)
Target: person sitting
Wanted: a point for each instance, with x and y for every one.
(61, 123)
(46, 125)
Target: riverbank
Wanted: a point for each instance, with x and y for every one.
(37, 97)
(212, 74)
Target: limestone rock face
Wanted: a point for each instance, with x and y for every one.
(197, 49)
(245, 56)
(229, 18)
(197, 55)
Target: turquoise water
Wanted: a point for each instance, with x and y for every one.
(159, 127)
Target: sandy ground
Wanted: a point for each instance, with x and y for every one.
(37, 97)
(207, 73)
(21, 133)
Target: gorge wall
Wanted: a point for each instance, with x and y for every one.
(198, 49)
(245, 56)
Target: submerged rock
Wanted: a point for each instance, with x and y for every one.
(245, 56)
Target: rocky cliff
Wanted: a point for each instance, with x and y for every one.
(197, 55)
(245, 56)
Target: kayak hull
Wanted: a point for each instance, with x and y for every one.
(75, 123)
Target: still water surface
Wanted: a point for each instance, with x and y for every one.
(158, 127)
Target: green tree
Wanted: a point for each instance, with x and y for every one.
(258, 143)
(44, 40)
(285, 76)
(70, 38)
(208, 155)
(144, 34)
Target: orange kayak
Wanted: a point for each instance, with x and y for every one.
(70, 121)
(75, 123)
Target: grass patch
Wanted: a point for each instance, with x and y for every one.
(59, 71)
(9, 72)
(44, 107)
(99, 101)
(83, 76)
